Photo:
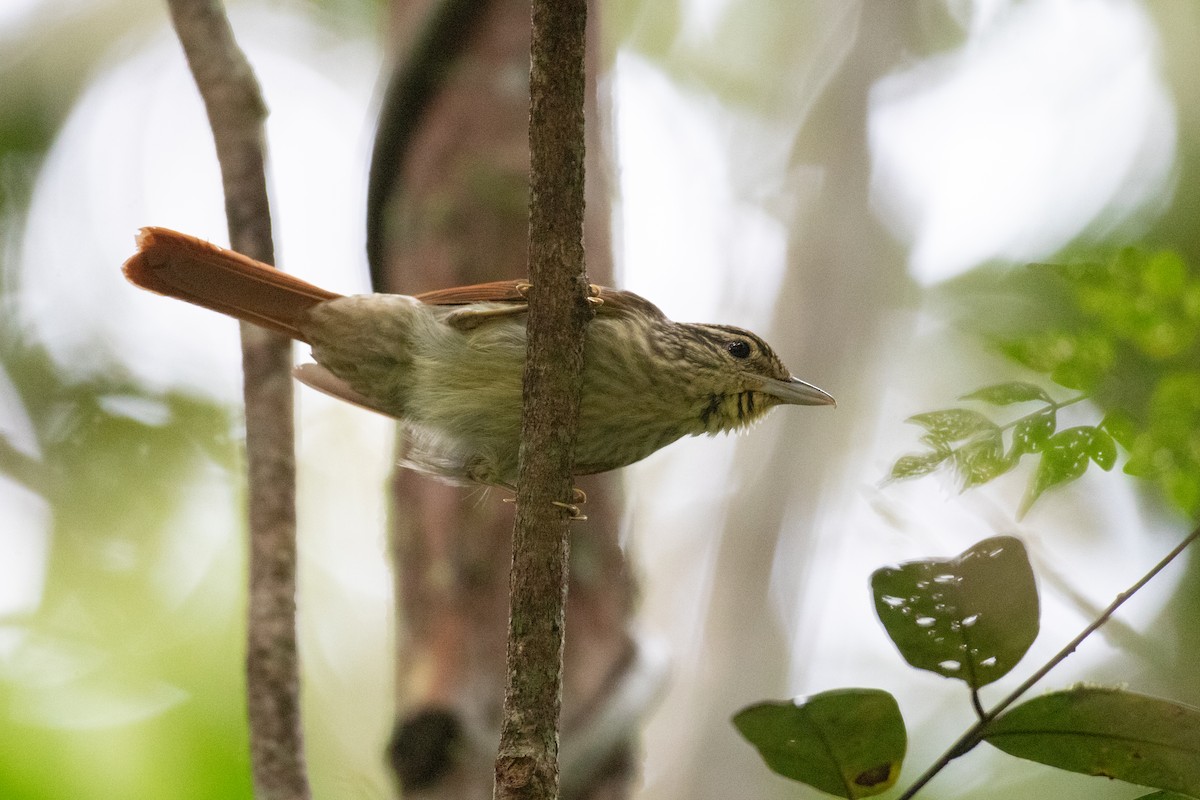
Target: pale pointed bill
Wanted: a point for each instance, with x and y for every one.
(797, 392)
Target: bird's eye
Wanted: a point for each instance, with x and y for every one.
(738, 349)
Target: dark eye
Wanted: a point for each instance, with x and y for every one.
(738, 349)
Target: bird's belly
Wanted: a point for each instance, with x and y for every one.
(615, 432)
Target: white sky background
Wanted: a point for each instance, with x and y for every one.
(1050, 117)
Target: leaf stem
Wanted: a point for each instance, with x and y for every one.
(977, 704)
(974, 734)
(1051, 406)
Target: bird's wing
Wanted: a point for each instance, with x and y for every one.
(613, 301)
(495, 292)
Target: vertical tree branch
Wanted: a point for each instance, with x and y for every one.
(527, 761)
(236, 113)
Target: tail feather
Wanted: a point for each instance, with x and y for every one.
(182, 266)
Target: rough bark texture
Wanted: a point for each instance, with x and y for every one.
(527, 762)
(236, 113)
(456, 212)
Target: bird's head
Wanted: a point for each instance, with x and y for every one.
(741, 377)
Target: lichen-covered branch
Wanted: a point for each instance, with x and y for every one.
(236, 113)
(527, 762)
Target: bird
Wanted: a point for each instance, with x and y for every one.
(448, 364)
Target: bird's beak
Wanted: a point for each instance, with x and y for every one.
(797, 392)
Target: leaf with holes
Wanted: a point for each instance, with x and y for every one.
(1064, 458)
(1106, 732)
(847, 742)
(982, 459)
(1121, 426)
(952, 425)
(1102, 449)
(1003, 394)
(971, 617)
(917, 464)
(1031, 433)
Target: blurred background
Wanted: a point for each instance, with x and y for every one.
(823, 172)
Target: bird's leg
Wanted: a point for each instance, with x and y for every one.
(578, 497)
(576, 514)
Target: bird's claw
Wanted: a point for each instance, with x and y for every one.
(593, 297)
(573, 509)
(579, 496)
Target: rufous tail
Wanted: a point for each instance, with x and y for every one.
(182, 266)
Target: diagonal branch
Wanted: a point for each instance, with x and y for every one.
(527, 762)
(236, 113)
(974, 735)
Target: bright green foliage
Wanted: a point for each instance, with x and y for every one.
(974, 446)
(1125, 334)
(847, 742)
(1106, 732)
(971, 617)
(149, 678)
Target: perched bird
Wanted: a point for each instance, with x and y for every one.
(448, 364)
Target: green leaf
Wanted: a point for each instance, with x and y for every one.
(1107, 732)
(1164, 796)
(1121, 426)
(952, 424)
(917, 464)
(1031, 433)
(1164, 274)
(1073, 360)
(1003, 394)
(971, 617)
(981, 460)
(1102, 449)
(847, 742)
(1064, 458)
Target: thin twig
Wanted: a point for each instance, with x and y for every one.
(974, 734)
(236, 113)
(527, 760)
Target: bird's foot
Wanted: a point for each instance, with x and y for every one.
(575, 513)
(593, 292)
(577, 495)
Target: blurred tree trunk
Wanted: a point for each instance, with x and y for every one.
(842, 277)
(449, 206)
